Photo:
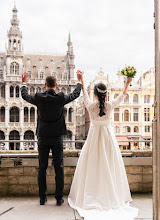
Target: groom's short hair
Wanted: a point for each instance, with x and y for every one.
(50, 81)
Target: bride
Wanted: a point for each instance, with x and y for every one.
(100, 189)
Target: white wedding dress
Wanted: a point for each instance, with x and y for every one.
(100, 189)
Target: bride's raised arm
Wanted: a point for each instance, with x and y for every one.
(119, 98)
(87, 100)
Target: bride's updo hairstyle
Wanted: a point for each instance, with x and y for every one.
(100, 90)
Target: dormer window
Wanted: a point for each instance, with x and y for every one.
(41, 75)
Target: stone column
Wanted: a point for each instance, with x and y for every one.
(156, 120)
(7, 117)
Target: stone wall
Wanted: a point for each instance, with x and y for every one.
(18, 173)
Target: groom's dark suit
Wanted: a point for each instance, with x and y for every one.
(50, 128)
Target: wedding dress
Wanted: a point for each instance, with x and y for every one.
(100, 189)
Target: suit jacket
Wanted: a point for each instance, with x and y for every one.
(50, 121)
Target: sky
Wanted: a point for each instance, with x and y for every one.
(105, 34)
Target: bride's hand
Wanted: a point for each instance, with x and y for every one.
(79, 75)
(129, 79)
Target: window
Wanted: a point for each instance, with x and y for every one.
(126, 115)
(1, 74)
(126, 99)
(32, 114)
(136, 129)
(25, 114)
(2, 136)
(11, 91)
(14, 68)
(17, 91)
(147, 99)
(32, 90)
(116, 114)
(63, 90)
(116, 129)
(126, 129)
(29, 135)
(147, 128)
(2, 114)
(38, 89)
(135, 98)
(135, 114)
(41, 75)
(3, 92)
(115, 96)
(147, 114)
(70, 115)
(14, 114)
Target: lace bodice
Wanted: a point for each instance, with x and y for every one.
(93, 107)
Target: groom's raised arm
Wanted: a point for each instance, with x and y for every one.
(29, 98)
(75, 94)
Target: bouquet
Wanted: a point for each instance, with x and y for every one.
(129, 71)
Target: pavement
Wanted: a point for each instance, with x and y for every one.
(28, 208)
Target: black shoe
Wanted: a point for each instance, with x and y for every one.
(43, 201)
(60, 202)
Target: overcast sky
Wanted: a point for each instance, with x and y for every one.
(104, 33)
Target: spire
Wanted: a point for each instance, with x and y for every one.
(14, 34)
(69, 44)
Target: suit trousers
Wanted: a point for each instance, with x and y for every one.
(56, 146)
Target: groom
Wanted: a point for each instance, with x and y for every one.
(50, 128)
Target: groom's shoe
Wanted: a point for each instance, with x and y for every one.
(43, 201)
(60, 202)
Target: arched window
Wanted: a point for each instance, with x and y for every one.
(126, 115)
(17, 91)
(32, 90)
(116, 114)
(126, 99)
(25, 114)
(11, 91)
(136, 129)
(63, 90)
(126, 129)
(14, 68)
(115, 95)
(14, 114)
(38, 89)
(14, 44)
(135, 98)
(70, 115)
(2, 114)
(32, 114)
(2, 136)
(116, 129)
(68, 90)
(3, 91)
(29, 135)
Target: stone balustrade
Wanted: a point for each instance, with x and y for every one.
(18, 171)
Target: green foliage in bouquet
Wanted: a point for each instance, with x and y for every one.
(129, 71)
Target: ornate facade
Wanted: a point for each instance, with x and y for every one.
(132, 120)
(18, 119)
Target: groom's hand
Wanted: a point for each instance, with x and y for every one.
(25, 79)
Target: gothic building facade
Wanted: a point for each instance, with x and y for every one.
(18, 119)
